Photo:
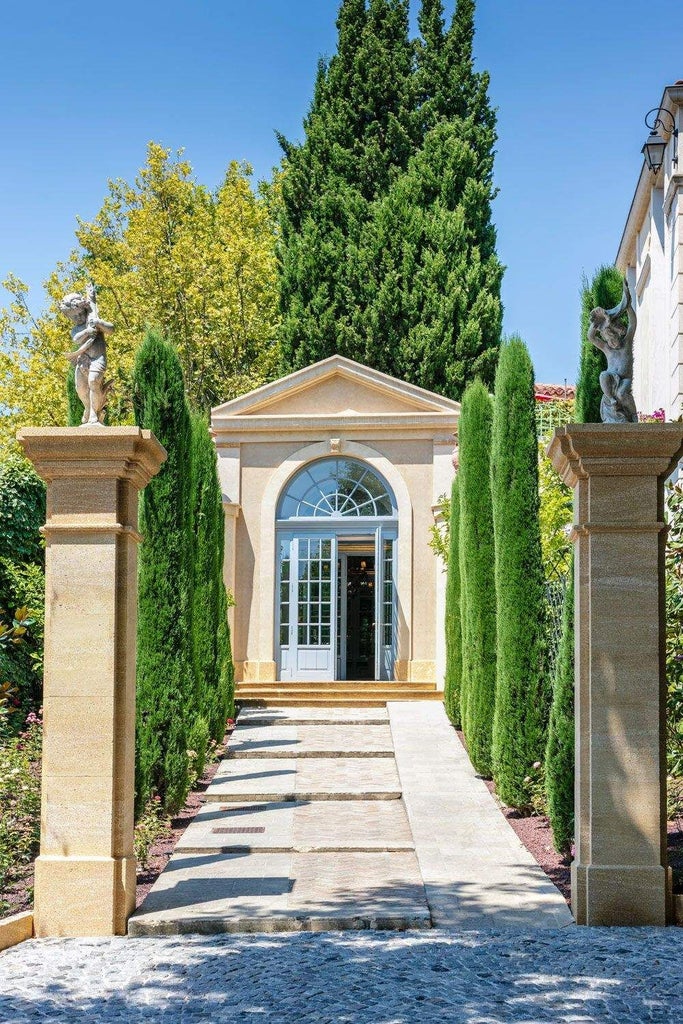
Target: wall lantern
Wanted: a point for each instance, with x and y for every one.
(653, 150)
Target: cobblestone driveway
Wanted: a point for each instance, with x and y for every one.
(575, 975)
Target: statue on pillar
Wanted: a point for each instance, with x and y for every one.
(613, 335)
(89, 334)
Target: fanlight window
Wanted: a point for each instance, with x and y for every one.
(336, 487)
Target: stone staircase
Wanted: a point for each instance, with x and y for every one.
(347, 693)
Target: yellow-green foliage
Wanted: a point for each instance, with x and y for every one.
(198, 265)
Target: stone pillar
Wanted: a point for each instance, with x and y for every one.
(85, 874)
(620, 874)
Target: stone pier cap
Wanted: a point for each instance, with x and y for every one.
(128, 453)
(579, 450)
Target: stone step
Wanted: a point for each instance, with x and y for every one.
(307, 700)
(266, 780)
(288, 892)
(319, 826)
(313, 716)
(321, 740)
(337, 686)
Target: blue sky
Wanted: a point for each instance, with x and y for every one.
(85, 87)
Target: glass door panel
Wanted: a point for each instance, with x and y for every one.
(309, 615)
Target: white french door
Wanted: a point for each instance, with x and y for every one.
(312, 605)
(308, 597)
(385, 603)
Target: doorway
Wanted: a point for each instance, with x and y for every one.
(356, 613)
(335, 591)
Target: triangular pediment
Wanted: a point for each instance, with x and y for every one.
(336, 387)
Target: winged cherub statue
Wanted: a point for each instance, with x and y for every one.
(608, 332)
(89, 334)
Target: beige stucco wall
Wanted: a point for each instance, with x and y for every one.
(257, 455)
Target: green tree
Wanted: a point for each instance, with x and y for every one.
(391, 260)
(199, 265)
(165, 682)
(604, 290)
(559, 756)
(453, 624)
(522, 697)
(478, 689)
(210, 632)
(74, 406)
(438, 290)
(357, 138)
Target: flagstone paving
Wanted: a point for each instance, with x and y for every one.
(312, 823)
(320, 739)
(300, 826)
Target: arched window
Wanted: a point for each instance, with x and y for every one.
(334, 488)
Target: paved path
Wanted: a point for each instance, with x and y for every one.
(346, 819)
(623, 976)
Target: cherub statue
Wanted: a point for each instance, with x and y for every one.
(609, 333)
(90, 356)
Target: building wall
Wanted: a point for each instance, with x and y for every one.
(651, 255)
(252, 575)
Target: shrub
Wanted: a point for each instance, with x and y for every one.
(151, 826)
(210, 639)
(165, 682)
(559, 758)
(22, 575)
(453, 624)
(198, 739)
(674, 631)
(19, 801)
(522, 695)
(477, 582)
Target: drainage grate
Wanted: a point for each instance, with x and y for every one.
(253, 830)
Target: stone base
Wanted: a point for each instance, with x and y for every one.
(255, 671)
(16, 929)
(83, 896)
(619, 894)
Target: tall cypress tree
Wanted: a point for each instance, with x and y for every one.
(165, 683)
(453, 624)
(559, 757)
(388, 250)
(358, 135)
(522, 697)
(210, 634)
(476, 540)
(604, 290)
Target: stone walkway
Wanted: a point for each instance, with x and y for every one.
(345, 819)
(619, 975)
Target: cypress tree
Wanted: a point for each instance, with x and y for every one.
(453, 614)
(357, 136)
(433, 278)
(604, 290)
(476, 539)
(387, 246)
(559, 758)
(521, 695)
(209, 615)
(74, 405)
(165, 680)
